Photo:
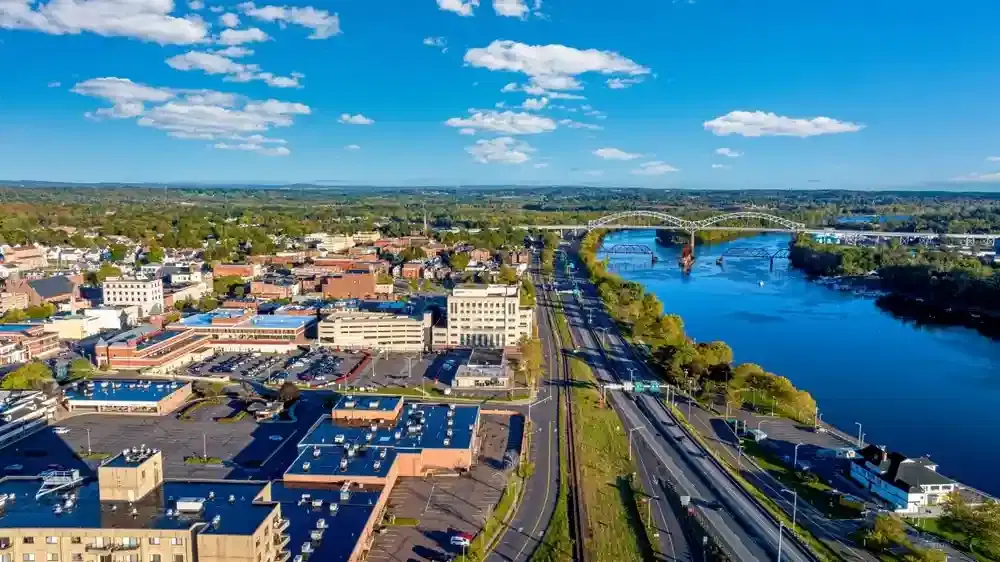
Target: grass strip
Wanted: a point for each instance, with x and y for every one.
(617, 530)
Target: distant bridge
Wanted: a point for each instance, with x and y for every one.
(755, 253)
(692, 226)
(628, 249)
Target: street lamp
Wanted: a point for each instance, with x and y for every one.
(761, 422)
(795, 504)
(631, 374)
(795, 458)
(859, 433)
(781, 530)
(630, 440)
(539, 402)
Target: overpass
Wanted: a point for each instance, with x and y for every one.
(751, 221)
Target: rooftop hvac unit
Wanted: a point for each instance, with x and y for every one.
(398, 435)
(216, 521)
(316, 535)
(305, 466)
(382, 453)
(305, 498)
(321, 523)
(333, 510)
(451, 422)
(307, 548)
(190, 505)
(373, 404)
(317, 503)
(343, 464)
(298, 558)
(374, 427)
(339, 438)
(368, 436)
(211, 494)
(232, 498)
(451, 413)
(447, 441)
(448, 433)
(349, 404)
(315, 452)
(377, 465)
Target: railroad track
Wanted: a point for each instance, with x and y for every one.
(575, 504)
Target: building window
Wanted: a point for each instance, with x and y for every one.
(178, 558)
(154, 540)
(76, 557)
(51, 540)
(28, 540)
(133, 558)
(53, 557)
(75, 540)
(29, 557)
(176, 541)
(154, 558)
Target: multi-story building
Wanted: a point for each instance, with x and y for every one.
(275, 289)
(366, 237)
(147, 294)
(13, 301)
(12, 353)
(411, 270)
(351, 285)
(32, 337)
(230, 329)
(906, 485)
(151, 350)
(245, 271)
(130, 514)
(72, 326)
(58, 290)
(25, 257)
(380, 326)
(114, 317)
(23, 412)
(486, 316)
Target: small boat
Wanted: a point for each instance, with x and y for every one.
(760, 283)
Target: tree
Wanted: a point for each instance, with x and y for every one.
(154, 255)
(888, 531)
(106, 270)
(412, 253)
(528, 293)
(32, 376)
(80, 369)
(225, 284)
(117, 252)
(459, 261)
(288, 392)
(507, 275)
(383, 278)
(41, 311)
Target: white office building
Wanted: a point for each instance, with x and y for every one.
(488, 316)
(23, 412)
(395, 331)
(147, 294)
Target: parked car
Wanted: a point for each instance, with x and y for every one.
(461, 539)
(61, 430)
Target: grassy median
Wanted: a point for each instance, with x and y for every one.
(613, 521)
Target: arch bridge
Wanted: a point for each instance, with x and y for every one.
(667, 221)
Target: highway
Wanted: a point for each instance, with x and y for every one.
(745, 530)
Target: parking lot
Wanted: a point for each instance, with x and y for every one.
(247, 449)
(445, 505)
(316, 368)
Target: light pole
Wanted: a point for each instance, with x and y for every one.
(781, 529)
(89, 451)
(816, 420)
(631, 374)
(795, 457)
(761, 422)
(630, 440)
(539, 402)
(739, 456)
(690, 397)
(859, 433)
(795, 504)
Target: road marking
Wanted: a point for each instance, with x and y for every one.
(545, 500)
(659, 507)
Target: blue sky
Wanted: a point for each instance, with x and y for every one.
(705, 93)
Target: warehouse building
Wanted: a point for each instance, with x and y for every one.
(126, 396)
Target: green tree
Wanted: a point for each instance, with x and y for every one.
(412, 253)
(32, 376)
(288, 392)
(117, 252)
(528, 293)
(41, 311)
(80, 369)
(507, 275)
(459, 261)
(887, 532)
(383, 278)
(155, 254)
(225, 284)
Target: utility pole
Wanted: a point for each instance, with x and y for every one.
(630, 440)
(859, 433)
(89, 450)
(204, 446)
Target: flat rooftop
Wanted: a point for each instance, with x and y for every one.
(343, 524)
(330, 461)
(481, 357)
(260, 321)
(16, 328)
(121, 390)
(130, 458)
(156, 510)
(419, 426)
(157, 337)
(351, 402)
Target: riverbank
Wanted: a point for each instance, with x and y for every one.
(922, 390)
(914, 285)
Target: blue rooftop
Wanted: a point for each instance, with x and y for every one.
(343, 525)
(121, 390)
(419, 426)
(11, 328)
(374, 403)
(241, 517)
(330, 461)
(279, 321)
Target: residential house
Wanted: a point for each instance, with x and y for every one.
(412, 270)
(480, 255)
(911, 486)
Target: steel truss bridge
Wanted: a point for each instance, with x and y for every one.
(628, 249)
(755, 253)
(759, 222)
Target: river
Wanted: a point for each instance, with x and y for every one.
(922, 391)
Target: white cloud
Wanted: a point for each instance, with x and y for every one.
(148, 20)
(578, 125)
(352, 147)
(535, 104)
(461, 7)
(761, 124)
(216, 63)
(536, 90)
(55, 84)
(252, 147)
(511, 8)
(359, 119)
(196, 5)
(596, 114)
(507, 122)
(467, 131)
(564, 96)
(234, 52)
(552, 67)
(241, 36)
(622, 83)
(720, 166)
(540, 165)
(500, 105)
(216, 9)
(728, 152)
(322, 23)
(990, 177)
(230, 19)
(610, 153)
(437, 42)
(653, 168)
(993, 158)
(194, 114)
(505, 150)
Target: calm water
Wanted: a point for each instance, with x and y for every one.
(918, 390)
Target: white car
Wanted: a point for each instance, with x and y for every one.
(461, 539)
(61, 430)
(275, 438)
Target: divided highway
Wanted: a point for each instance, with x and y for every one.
(745, 529)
